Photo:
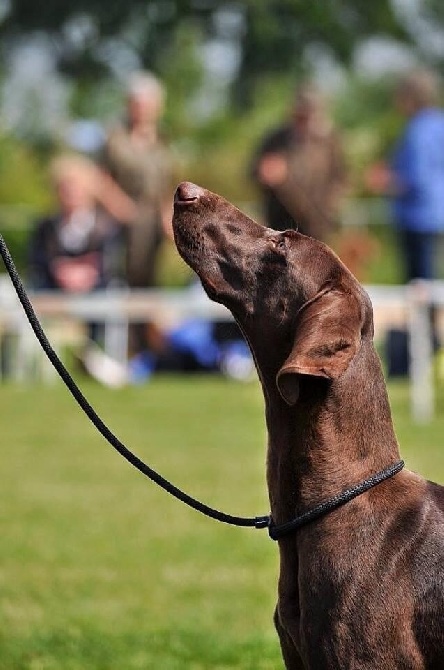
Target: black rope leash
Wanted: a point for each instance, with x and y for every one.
(265, 521)
(323, 508)
(256, 522)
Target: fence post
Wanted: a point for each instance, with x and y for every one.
(116, 326)
(421, 351)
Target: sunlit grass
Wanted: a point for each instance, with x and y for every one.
(100, 569)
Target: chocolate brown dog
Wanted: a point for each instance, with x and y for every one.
(361, 587)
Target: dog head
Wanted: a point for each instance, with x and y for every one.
(302, 312)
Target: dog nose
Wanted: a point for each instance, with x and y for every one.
(187, 192)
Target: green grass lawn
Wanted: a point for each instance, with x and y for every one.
(101, 569)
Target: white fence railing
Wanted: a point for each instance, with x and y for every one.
(118, 307)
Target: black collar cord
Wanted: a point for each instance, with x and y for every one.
(323, 508)
(265, 521)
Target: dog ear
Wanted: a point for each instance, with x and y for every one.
(328, 336)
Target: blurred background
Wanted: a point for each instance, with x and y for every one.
(230, 71)
(98, 568)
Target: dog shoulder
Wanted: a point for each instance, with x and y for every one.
(436, 493)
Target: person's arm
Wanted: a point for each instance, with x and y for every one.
(114, 200)
(392, 180)
(269, 166)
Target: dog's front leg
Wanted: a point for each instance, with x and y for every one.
(290, 653)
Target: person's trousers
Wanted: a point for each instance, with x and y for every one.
(419, 254)
(420, 251)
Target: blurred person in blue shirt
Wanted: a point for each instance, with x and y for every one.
(414, 182)
(414, 178)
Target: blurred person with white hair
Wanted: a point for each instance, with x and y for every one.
(139, 161)
(78, 248)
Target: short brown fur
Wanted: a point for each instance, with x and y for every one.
(362, 587)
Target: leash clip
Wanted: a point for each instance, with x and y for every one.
(261, 522)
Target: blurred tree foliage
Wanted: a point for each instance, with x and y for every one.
(271, 35)
(24, 193)
(266, 41)
(279, 32)
(22, 179)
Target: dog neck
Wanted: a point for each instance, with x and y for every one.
(337, 434)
